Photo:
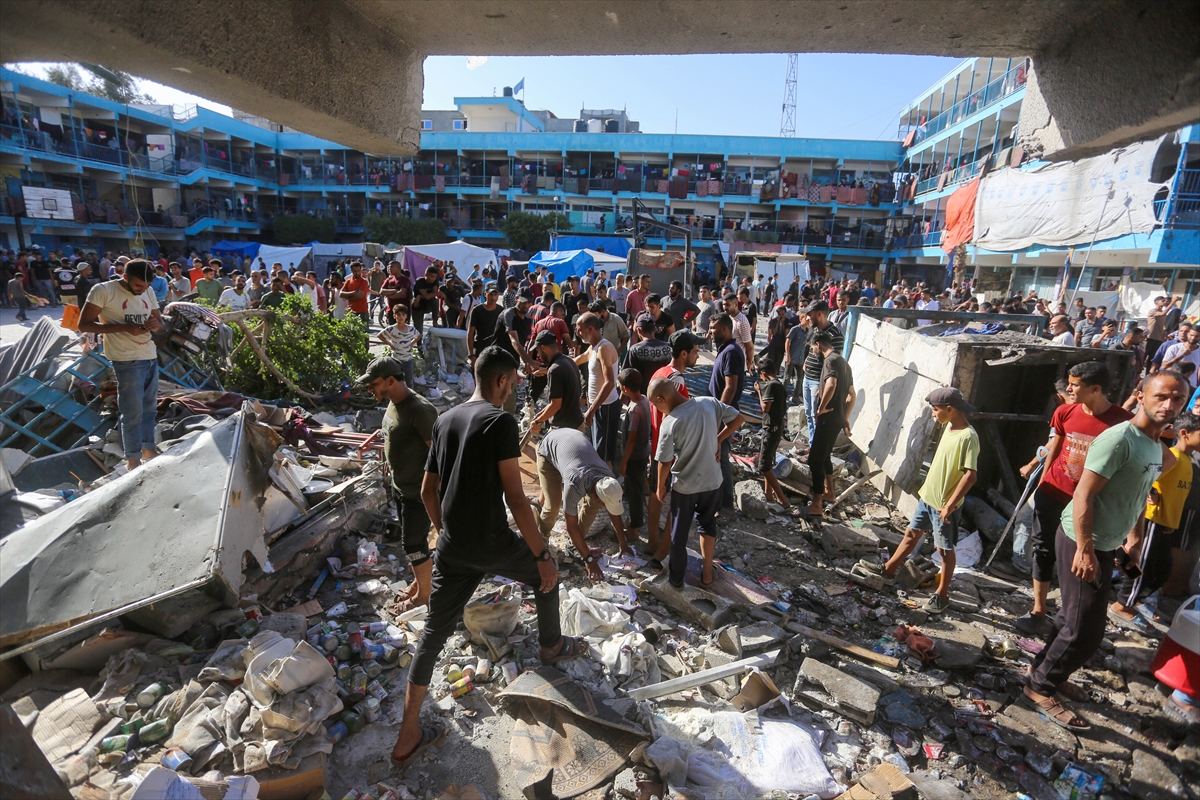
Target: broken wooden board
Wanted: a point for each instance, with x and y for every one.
(842, 644)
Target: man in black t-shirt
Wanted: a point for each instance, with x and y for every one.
(83, 283)
(773, 399)
(818, 316)
(649, 354)
(513, 327)
(471, 472)
(481, 322)
(563, 378)
(425, 296)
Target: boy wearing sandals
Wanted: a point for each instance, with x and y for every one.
(951, 475)
(471, 472)
(1107, 509)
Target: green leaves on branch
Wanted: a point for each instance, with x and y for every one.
(402, 230)
(526, 231)
(318, 353)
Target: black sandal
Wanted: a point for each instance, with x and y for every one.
(572, 647)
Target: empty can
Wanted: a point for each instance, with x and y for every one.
(151, 695)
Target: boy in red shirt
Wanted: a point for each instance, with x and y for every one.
(1073, 427)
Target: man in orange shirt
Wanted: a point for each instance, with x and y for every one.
(356, 290)
(196, 273)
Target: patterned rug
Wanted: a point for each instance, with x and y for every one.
(559, 726)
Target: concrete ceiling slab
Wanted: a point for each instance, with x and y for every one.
(1109, 71)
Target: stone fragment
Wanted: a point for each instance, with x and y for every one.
(751, 499)
(849, 541)
(916, 572)
(844, 693)
(729, 639)
(626, 784)
(692, 603)
(1151, 779)
(1026, 728)
(760, 636)
(671, 665)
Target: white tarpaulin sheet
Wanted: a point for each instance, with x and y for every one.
(1138, 298)
(465, 256)
(284, 255)
(1058, 205)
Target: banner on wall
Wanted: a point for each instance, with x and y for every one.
(1058, 205)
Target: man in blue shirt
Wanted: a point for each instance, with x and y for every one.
(728, 377)
(159, 285)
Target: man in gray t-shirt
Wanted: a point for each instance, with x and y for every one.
(574, 478)
(689, 440)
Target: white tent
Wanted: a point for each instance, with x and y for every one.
(465, 256)
(284, 255)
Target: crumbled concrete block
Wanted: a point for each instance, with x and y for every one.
(916, 572)
(760, 636)
(1151, 779)
(692, 603)
(751, 499)
(849, 541)
(671, 665)
(845, 694)
(729, 639)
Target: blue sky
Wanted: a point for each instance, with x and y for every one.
(838, 96)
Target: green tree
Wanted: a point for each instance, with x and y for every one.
(402, 230)
(302, 229)
(526, 231)
(66, 75)
(318, 353)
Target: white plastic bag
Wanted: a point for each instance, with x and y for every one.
(368, 555)
(583, 616)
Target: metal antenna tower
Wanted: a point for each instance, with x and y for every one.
(787, 125)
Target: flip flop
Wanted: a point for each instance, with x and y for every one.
(572, 647)
(1054, 711)
(1136, 623)
(432, 736)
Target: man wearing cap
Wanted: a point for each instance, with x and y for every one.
(574, 478)
(407, 431)
(481, 321)
(951, 475)
(649, 354)
(818, 316)
(562, 376)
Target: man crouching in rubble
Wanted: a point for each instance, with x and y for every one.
(471, 471)
(126, 312)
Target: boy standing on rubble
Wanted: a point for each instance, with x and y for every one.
(471, 473)
(951, 475)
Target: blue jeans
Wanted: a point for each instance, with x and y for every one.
(811, 396)
(137, 400)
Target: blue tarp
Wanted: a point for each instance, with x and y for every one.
(572, 262)
(613, 245)
(238, 250)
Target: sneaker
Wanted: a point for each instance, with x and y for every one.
(936, 604)
(1033, 624)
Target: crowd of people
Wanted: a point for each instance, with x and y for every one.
(596, 365)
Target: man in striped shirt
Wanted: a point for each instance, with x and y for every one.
(743, 334)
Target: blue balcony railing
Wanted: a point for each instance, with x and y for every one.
(1183, 205)
(997, 90)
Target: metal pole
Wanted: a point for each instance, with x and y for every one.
(1095, 233)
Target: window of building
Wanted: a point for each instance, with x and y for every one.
(460, 124)
(426, 124)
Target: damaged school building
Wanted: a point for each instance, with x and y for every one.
(219, 623)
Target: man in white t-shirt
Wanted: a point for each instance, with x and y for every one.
(1187, 350)
(126, 312)
(927, 303)
(306, 286)
(235, 298)
(1060, 331)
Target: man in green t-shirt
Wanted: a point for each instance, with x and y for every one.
(209, 287)
(407, 432)
(951, 475)
(273, 298)
(1107, 509)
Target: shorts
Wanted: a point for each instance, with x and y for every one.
(927, 518)
(770, 444)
